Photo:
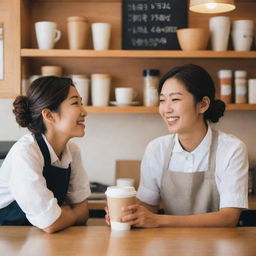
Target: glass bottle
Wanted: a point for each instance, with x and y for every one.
(240, 86)
(225, 77)
(151, 81)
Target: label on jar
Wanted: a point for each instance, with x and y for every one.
(225, 89)
(241, 90)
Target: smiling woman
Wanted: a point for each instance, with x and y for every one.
(42, 180)
(199, 174)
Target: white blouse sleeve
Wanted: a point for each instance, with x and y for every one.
(233, 179)
(28, 187)
(79, 187)
(149, 191)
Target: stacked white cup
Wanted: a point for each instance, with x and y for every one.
(242, 34)
(219, 27)
(100, 89)
(82, 83)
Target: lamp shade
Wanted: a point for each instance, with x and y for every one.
(211, 6)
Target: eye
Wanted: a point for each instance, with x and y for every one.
(161, 100)
(175, 99)
(74, 103)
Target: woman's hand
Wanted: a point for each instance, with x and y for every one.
(107, 218)
(140, 217)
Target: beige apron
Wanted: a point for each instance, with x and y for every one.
(184, 193)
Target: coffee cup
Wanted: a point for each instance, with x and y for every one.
(101, 33)
(47, 34)
(78, 30)
(117, 198)
(124, 95)
(51, 71)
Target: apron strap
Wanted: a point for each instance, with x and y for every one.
(44, 149)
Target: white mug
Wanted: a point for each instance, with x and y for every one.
(245, 25)
(124, 95)
(100, 89)
(47, 34)
(242, 40)
(101, 35)
(220, 29)
(82, 83)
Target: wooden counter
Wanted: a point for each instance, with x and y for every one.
(99, 241)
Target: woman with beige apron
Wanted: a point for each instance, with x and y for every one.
(196, 174)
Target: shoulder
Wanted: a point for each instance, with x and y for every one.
(156, 149)
(25, 145)
(25, 154)
(160, 143)
(229, 146)
(233, 142)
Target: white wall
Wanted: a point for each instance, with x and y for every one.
(124, 136)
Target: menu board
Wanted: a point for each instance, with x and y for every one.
(152, 24)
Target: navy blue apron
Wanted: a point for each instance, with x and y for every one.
(57, 180)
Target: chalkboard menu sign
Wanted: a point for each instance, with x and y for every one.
(152, 24)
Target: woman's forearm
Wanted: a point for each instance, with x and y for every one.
(81, 212)
(76, 214)
(226, 217)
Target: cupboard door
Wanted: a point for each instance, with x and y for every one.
(10, 22)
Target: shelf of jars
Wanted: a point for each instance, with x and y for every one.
(151, 110)
(136, 54)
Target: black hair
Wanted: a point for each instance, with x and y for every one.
(199, 83)
(45, 92)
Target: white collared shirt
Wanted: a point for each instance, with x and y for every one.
(231, 169)
(21, 179)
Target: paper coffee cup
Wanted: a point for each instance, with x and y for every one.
(117, 198)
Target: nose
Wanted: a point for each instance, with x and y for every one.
(83, 111)
(167, 107)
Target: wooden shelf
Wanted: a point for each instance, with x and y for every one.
(241, 107)
(239, 1)
(123, 110)
(65, 53)
(151, 110)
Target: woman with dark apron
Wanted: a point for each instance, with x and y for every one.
(42, 180)
(198, 175)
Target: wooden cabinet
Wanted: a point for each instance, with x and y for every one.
(125, 66)
(9, 17)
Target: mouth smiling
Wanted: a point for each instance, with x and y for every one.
(81, 122)
(171, 120)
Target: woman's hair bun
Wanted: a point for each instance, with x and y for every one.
(21, 111)
(215, 111)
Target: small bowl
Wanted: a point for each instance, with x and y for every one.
(193, 39)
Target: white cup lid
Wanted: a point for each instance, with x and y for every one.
(252, 82)
(240, 74)
(225, 73)
(120, 192)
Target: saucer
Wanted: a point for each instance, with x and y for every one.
(115, 103)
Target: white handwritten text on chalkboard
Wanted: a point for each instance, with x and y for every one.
(151, 24)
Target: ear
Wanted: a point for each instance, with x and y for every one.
(204, 104)
(48, 116)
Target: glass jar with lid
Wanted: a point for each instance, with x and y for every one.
(150, 92)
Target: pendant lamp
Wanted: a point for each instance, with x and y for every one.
(212, 6)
